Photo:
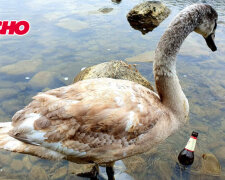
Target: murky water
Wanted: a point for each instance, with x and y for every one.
(68, 35)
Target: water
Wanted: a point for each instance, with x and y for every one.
(68, 35)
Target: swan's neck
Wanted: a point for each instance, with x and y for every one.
(167, 82)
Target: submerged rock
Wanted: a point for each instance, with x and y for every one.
(21, 67)
(220, 153)
(148, 15)
(10, 106)
(72, 24)
(135, 164)
(144, 57)
(60, 173)
(7, 93)
(115, 70)
(74, 168)
(17, 165)
(210, 165)
(38, 173)
(27, 163)
(43, 79)
(206, 165)
(105, 10)
(5, 159)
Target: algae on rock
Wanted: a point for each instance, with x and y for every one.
(115, 70)
(147, 15)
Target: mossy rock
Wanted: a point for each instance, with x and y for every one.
(207, 164)
(115, 70)
(147, 15)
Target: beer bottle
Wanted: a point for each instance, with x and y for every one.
(186, 156)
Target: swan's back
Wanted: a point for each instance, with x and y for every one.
(90, 118)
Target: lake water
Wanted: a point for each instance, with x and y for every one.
(66, 35)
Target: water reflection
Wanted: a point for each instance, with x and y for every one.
(60, 49)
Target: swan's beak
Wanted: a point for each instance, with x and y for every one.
(210, 42)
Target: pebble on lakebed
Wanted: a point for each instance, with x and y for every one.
(147, 15)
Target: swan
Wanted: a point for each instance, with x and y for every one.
(103, 120)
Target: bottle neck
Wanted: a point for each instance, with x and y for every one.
(191, 144)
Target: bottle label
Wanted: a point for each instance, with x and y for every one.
(191, 144)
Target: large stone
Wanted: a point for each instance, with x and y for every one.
(147, 15)
(2, 113)
(115, 70)
(27, 163)
(17, 165)
(7, 92)
(220, 153)
(5, 159)
(33, 159)
(43, 79)
(21, 67)
(38, 173)
(134, 164)
(12, 105)
(59, 173)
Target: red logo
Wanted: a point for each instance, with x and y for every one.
(13, 27)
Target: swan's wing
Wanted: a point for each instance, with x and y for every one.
(86, 115)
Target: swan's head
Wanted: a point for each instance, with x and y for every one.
(207, 26)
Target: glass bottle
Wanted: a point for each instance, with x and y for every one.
(186, 156)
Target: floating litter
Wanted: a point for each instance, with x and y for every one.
(66, 78)
(108, 49)
(27, 78)
(83, 68)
